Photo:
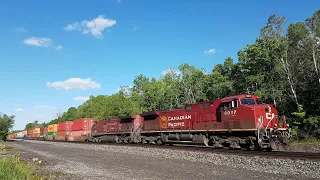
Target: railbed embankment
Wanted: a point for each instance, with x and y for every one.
(81, 161)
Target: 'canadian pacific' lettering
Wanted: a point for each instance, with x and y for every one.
(175, 124)
(179, 117)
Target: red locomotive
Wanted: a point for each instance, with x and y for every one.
(241, 121)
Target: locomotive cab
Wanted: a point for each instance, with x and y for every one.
(249, 113)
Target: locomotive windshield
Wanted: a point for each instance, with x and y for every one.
(248, 102)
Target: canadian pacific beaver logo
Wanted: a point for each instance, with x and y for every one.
(163, 121)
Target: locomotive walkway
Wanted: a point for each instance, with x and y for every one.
(92, 161)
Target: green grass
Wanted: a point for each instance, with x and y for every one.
(12, 168)
(306, 143)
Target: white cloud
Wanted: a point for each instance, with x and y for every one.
(39, 42)
(210, 51)
(81, 98)
(21, 29)
(75, 83)
(19, 110)
(171, 71)
(44, 107)
(59, 47)
(95, 26)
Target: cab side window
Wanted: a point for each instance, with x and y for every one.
(234, 103)
(230, 104)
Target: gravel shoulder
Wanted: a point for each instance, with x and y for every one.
(84, 161)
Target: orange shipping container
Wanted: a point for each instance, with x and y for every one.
(63, 133)
(53, 128)
(62, 136)
(36, 131)
(78, 135)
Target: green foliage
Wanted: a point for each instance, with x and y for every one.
(12, 168)
(300, 114)
(34, 125)
(6, 123)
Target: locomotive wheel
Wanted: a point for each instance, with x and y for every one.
(277, 145)
(159, 142)
(250, 147)
(211, 142)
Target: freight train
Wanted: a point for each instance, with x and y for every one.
(235, 122)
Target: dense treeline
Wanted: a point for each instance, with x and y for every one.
(6, 123)
(282, 67)
(34, 125)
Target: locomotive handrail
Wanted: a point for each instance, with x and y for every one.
(258, 129)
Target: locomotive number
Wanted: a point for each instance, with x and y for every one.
(227, 113)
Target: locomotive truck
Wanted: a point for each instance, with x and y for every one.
(235, 122)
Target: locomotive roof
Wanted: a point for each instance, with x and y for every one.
(240, 96)
(151, 113)
(228, 98)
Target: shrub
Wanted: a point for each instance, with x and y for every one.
(12, 168)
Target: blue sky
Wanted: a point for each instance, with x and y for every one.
(42, 46)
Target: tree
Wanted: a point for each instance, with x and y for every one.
(314, 24)
(6, 123)
(34, 124)
(191, 83)
(70, 115)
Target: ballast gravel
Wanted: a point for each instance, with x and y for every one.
(102, 161)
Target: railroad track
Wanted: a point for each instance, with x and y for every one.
(271, 154)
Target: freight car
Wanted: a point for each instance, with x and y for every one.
(241, 121)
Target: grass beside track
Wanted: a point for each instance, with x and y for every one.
(306, 144)
(13, 168)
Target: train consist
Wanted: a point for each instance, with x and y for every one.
(235, 122)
